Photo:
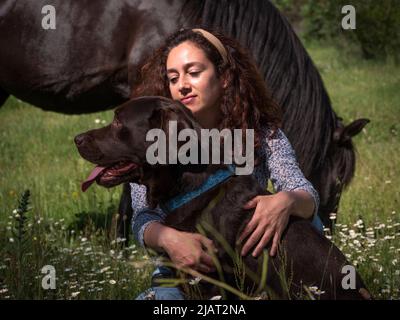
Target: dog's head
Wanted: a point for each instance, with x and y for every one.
(119, 149)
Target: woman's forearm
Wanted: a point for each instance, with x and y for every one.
(155, 236)
(303, 204)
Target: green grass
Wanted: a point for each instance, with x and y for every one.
(38, 153)
(360, 89)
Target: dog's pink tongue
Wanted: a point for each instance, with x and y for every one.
(92, 177)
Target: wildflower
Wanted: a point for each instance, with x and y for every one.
(359, 223)
(97, 121)
(5, 290)
(352, 234)
(394, 262)
(316, 291)
(332, 216)
(216, 298)
(105, 269)
(11, 240)
(84, 239)
(75, 294)
(112, 282)
(194, 281)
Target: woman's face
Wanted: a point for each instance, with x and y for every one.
(193, 80)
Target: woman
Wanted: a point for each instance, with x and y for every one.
(218, 81)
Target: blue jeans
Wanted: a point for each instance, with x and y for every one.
(161, 293)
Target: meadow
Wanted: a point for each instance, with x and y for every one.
(56, 224)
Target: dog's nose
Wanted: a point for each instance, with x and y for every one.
(79, 139)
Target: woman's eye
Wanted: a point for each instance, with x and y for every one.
(194, 73)
(173, 80)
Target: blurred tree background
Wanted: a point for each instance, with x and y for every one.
(377, 33)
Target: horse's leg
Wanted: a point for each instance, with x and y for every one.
(125, 213)
(3, 96)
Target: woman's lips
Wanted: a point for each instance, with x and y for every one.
(188, 100)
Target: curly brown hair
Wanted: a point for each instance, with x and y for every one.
(246, 102)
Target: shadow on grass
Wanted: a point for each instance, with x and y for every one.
(93, 222)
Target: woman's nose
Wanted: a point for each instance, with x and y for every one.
(184, 86)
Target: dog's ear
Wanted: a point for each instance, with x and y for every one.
(173, 111)
(172, 117)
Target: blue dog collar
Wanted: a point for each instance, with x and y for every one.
(215, 179)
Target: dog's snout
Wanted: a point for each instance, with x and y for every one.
(80, 139)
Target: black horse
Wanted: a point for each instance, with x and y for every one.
(90, 61)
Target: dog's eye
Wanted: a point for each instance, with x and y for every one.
(117, 123)
(123, 132)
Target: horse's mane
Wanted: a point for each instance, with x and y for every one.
(290, 74)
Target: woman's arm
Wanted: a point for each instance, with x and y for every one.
(183, 248)
(142, 216)
(286, 175)
(295, 196)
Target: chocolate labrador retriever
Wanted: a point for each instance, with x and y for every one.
(306, 258)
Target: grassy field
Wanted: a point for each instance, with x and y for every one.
(38, 153)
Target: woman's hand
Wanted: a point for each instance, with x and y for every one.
(189, 250)
(268, 222)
